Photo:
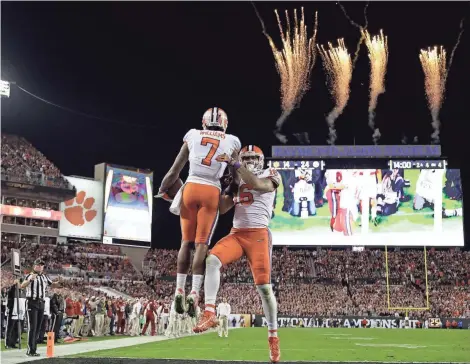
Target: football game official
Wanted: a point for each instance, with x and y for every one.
(35, 284)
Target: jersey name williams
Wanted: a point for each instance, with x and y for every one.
(213, 133)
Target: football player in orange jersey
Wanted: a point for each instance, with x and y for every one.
(250, 236)
(197, 202)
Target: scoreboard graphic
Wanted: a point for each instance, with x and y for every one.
(382, 202)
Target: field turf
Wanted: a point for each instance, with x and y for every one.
(308, 344)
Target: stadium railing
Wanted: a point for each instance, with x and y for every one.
(38, 180)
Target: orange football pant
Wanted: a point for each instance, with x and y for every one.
(199, 212)
(256, 244)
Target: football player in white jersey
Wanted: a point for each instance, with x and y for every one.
(199, 207)
(250, 236)
(367, 188)
(341, 193)
(332, 192)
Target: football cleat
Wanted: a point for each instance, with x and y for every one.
(274, 350)
(179, 302)
(191, 303)
(206, 322)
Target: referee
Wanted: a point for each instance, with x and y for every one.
(35, 283)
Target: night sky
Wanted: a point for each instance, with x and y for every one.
(149, 70)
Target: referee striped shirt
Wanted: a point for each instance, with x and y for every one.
(37, 288)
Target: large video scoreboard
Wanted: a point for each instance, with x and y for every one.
(127, 204)
(367, 202)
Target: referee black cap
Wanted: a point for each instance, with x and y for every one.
(38, 261)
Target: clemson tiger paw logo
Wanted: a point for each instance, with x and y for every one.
(78, 209)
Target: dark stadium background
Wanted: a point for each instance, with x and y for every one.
(152, 68)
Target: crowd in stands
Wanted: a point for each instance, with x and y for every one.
(90, 260)
(343, 282)
(80, 247)
(21, 162)
(306, 282)
(444, 266)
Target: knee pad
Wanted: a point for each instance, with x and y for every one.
(213, 262)
(264, 290)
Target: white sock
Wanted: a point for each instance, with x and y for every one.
(197, 282)
(373, 209)
(211, 282)
(453, 212)
(269, 307)
(180, 281)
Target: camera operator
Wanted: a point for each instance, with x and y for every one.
(35, 283)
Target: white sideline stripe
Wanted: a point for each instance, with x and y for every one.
(65, 350)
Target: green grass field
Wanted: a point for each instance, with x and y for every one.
(405, 220)
(308, 344)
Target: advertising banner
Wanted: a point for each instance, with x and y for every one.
(31, 213)
(239, 320)
(82, 216)
(355, 322)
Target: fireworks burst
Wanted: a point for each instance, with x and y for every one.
(378, 57)
(338, 66)
(294, 63)
(433, 62)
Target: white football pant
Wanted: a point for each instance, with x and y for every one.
(223, 326)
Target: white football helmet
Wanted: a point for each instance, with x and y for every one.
(305, 174)
(215, 116)
(252, 158)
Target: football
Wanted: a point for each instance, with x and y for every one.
(173, 190)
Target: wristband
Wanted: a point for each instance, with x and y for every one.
(236, 165)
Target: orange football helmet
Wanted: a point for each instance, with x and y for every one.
(252, 158)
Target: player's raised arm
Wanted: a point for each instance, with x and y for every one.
(262, 185)
(226, 199)
(175, 170)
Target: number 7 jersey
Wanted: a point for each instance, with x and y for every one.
(254, 209)
(204, 147)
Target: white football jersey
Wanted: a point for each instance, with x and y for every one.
(367, 183)
(254, 209)
(224, 309)
(347, 179)
(204, 147)
(429, 183)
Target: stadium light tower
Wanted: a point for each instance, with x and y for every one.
(4, 88)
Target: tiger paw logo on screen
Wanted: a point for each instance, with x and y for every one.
(78, 210)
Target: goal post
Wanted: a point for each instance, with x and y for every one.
(406, 309)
